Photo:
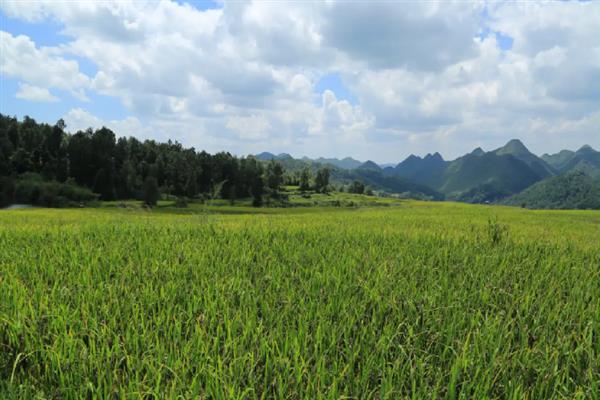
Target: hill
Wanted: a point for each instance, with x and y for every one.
(390, 184)
(574, 190)
(518, 150)
(266, 156)
(586, 159)
(478, 176)
(345, 163)
(501, 175)
(426, 171)
(369, 165)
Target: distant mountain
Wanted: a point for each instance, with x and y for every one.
(387, 165)
(573, 190)
(369, 165)
(427, 171)
(478, 152)
(558, 160)
(345, 163)
(496, 175)
(586, 159)
(476, 177)
(266, 156)
(518, 150)
(391, 184)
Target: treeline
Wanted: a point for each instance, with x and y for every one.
(43, 164)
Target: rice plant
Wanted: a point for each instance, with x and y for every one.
(422, 300)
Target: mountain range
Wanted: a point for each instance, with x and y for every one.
(476, 177)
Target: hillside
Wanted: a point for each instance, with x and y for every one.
(500, 173)
(345, 163)
(390, 184)
(518, 150)
(477, 177)
(585, 159)
(426, 171)
(574, 190)
(369, 165)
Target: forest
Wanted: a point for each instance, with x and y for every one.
(43, 164)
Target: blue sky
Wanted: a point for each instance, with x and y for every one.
(369, 80)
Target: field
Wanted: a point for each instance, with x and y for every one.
(405, 300)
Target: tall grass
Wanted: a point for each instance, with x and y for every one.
(418, 301)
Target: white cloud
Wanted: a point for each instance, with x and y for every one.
(35, 93)
(243, 77)
(254, 127)
(78, 119)
(41, 67)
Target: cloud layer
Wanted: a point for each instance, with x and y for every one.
(242, 77)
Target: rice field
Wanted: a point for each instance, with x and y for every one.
(415, 300)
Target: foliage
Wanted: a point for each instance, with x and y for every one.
(274, 178)
(118, 168)
(304, 181)
(414, 301)
(322, 180)
(30, 188)
(574, 190)
(356, 187)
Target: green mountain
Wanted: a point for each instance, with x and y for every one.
(518, 150)
(391, 184)
(586, 159)
(558, 160)
(426, 171)
(498, 175)
(369, 165)
(477, 177)
(572, 190)
(266, 156)
(368, 173)
(345, 163)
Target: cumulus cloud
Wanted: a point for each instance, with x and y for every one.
(416, 35)
(254, 127)
(426, 76)
(78, 119)
(35, 93)
(40, 66)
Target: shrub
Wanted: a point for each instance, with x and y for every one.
(496, 231)
(32, 189)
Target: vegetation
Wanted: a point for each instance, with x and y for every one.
(420, 300)
(68, 168)
(585, 159)
(31, 188)
(574, 190)
(97, 162)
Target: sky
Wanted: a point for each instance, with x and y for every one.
(374, 80)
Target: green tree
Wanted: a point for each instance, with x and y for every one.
(305, 177)
(151, 193)
(357, 187)
(274, 178)
(322, 180)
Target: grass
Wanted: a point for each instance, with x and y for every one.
(418, 300)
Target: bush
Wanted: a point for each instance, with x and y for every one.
(32, 189)
(181, 202)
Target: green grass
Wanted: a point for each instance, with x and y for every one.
(415, 300)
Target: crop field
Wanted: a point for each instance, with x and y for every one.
(410, 300)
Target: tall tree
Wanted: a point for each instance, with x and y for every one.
(305, 179)
(274, 177)
(322, 180)
(151, 193)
